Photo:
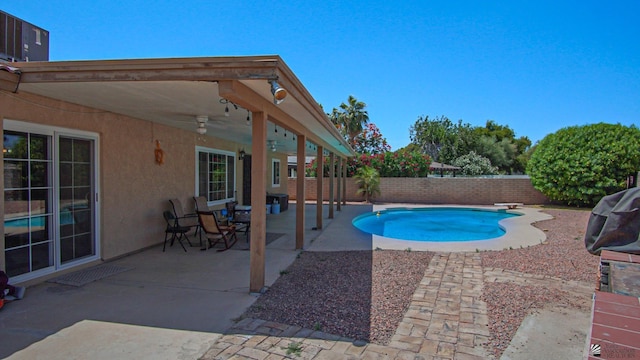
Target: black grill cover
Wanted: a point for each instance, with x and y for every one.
(615, 223)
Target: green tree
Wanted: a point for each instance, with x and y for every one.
(499, 132)
(350, 118)
(368, 181)
(501, 153)
(442, 139)
(499, 144)
(579, 165)
(432, 135)
(522, 155)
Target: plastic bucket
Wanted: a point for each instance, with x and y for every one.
(268, 208)
(275, 209)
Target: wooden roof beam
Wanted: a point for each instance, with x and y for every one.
(9, 78)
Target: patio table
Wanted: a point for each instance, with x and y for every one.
(242, 216)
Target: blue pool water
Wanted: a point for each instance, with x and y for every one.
(434, 224)
(38, 221)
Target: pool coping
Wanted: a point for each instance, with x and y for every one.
(520, 232)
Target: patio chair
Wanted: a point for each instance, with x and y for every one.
(177, 232)
(216, 232)
(201, 203)
(183, 219)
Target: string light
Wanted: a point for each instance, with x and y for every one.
(226, 106)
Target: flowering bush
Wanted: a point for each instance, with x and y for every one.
(400, 163)
(474, 164)
(371, 141)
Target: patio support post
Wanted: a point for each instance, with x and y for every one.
(344, 183)
(332, 175)
(258, 209)
(300, 193)
(339, 178)
(319, 176)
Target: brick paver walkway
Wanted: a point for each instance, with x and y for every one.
(445, 320)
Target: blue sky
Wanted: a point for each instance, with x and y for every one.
(535, 66)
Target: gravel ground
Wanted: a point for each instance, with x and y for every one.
(357, 294)
(364, 294)
(508, 304)
(562, 255)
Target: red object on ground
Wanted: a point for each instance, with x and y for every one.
(615, 317)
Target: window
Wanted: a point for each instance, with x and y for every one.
(216, 175)
(28, 193)
(275, 168)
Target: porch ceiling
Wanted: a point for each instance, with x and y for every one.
(174, 91)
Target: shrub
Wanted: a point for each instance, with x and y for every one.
(368, 181)
(579, 165)
(474, 164)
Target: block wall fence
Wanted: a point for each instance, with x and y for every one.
(436, 190)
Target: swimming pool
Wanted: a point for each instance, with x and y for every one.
(434, 224)
(66, 218)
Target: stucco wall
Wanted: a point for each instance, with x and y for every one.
(134, 190)
(282, 189)
(435, 190)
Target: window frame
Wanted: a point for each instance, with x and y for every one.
(227, 154)
(275, 178)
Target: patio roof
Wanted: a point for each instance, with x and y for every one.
(173, 91)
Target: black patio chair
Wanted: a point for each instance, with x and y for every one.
(177, 232)
(189, 220)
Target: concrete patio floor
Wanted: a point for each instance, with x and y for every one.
(178, 305)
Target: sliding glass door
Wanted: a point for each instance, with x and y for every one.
(49, 192)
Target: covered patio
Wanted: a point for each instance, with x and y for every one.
(254, 109)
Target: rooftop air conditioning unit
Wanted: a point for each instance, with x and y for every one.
(22, 41)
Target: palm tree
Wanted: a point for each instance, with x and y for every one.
(351, 118)
(368, 181)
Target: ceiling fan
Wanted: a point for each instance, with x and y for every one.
(201, 122)
(273, 144)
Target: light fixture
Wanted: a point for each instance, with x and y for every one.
(279, 93)
(241, 154)
(272, 145)
(202, 121)
(226, 106)
(248, 122)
